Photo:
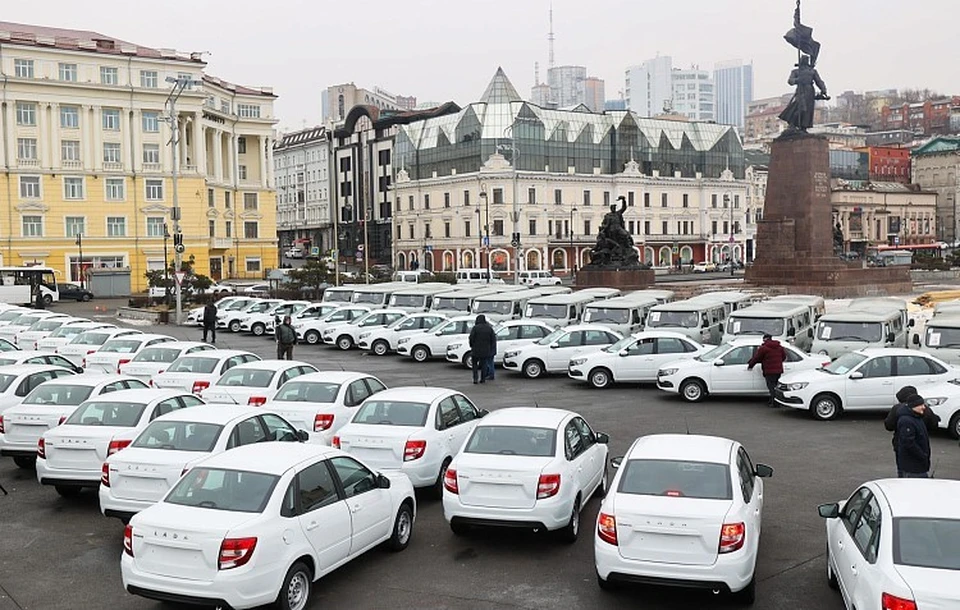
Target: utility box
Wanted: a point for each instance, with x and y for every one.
(104, 283)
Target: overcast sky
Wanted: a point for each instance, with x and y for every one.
(448, 50)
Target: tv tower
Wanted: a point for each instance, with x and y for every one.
(551, 38)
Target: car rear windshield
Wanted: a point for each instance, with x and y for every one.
(513, 440)
(121, 346)
(107, 413)
(68, 331)
(704, 480)
(46, 325)
(927, 543)
(220, 489)
(392, 413)
(57, 394)
(6, 361)
(193, 364)
(179, 436)
(27, 320)
(91, 339)
(247, 378)
(158, 354)
(5, 381)
(9, 316)
(308, 391)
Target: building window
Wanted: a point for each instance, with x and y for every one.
(586, 197)
(663, 200)
(345, 164)
(498, 228)
(150, 122)
(630, 200)
(531, 195)
(383, 157)
(114, 189)
(410, 202)
(713, 201)
(606, 197)
(410, 233)
(250, 202)
(155, 226)
(251, 229)
(646, 200)
(27, 149)
(148, 79)
(151, 154)
(70, 150)
(111, 152)
(726, 227)
(69, 117)
(109, 76)
(116, 226)
(713, 227)
(466, 228)
(68, 72)
(73, 188)
(76, 225)
(23, 68)
(686, 200)
(26, 114)
(212, 227)
(242, 172)
(225, 106)
(399, 231)
(498, 195)
(211, 198)
(241, 145)
(426, 202)
(253, 264)
(533, 226)
(32, 226)
(664, 228)
(111, 119)
(446, 200)
(736, 201)
(646, 227)
(154, 190)
(466, 197)
(30, 187)
(557, 196)
(427, 234)
(228, 228)
(248, 111)
(226, 199)
(586, 228)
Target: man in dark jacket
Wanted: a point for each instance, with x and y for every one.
(286, 339)
(907, 397)
(210, 322)
(483, 347)
(770, 356)
(913, 442)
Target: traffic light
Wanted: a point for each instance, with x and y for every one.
(178, 243)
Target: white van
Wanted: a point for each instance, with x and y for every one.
(946, 308)
(413, 276)
(784, 321)
(941, 338)
(817, 305)
(339, 294)
(860, 326)
(558, 309)
(733, 300)
(700, 319)
(602, 293)
(417, 297)
(503, 306)
(538, 278)
(477, 276)
(459, 300)
(376, 295)
(626, 314)
(662, 296)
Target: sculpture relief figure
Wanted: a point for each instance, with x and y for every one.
(614, 247)
(800, 111)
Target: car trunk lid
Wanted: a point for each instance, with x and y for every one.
(666, 529)
(80, 447)
(933, 589)
(378, 446)
(147, 474)
(502, 481)
(28, 423)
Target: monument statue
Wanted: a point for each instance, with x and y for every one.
(799, 112)
(838, 240)
(614, 248)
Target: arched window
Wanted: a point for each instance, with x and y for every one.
(648, 256)
(401, 260)
(499, 261)
(428, 261)
(559, 259)
(664, 257)
(467, 259)
(686, 255)
(533, 260)
(448, 261)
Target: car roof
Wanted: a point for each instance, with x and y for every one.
(212, 414)
(921, 497)
(271, 365)
(767, 309)
(526, 416)
(181, 344)
(525, 321)
(576, 327)
(414, 393)
(91, 379)
(269, 458)
(26, 369)
(688, 447)
(854, 315)
(651, 334)
(891, 351)
(217, 353)
(148, 337)
(144, 395)
(331, 376)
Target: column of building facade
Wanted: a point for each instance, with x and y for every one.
(96, 144)
(11, 147)
(199, 144)
(125, 131)
(231, 159)
(49, 150)
(264, 159)
(218, 155)
(136, 140)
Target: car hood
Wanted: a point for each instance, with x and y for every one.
(811, 376)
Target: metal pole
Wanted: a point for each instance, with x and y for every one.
(731, 236)
(516, 207)
(80, 264)
(486, 225)
(166, 267)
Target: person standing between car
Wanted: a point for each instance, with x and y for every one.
(286, 339)
(904, 396)
(483, 347)
(770, 356)
(210, 322)
(913, 441)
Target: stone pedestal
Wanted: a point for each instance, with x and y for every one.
(795, 237)
(624, 279)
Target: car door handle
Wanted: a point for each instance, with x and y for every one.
(356, 508)
(853, 570)
(312, 526)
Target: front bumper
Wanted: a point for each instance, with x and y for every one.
(789, 399)
(404, 350)
(511, 365)
(667, 384)
(575, 372)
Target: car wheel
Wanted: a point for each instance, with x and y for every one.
(693, 390)
(600, 378)
(67, 491)
(954, 429)
(459, 529)
(24, 461)
(344, 342)
(438, 486)
(402, 528)
(258, 330)
(571, 530)
(380, 348)
(85, 297)
(312, 337)
(468, 360)
(748, 594)
(235, 326)
(420, 353)
(831, 577)
(533, 368)
(605, 585)
(825, 407)
(47, 299)
(295, 591)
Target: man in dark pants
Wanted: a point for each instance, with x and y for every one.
(286, 339)
(210, 322)
(907, 398)
(913, 441)
(770, 356)
(483, 347)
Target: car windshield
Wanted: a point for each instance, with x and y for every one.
(121, 346)
(193, 364)
(91, 338)
(179, 436)
(505, 307)
(337, 296)
(260, 307)
(57, 394)
(308, 391)
(5, 381)
(407, 300)
(868, 332)
(714, 353)
(107, 413)
(845, 363)
(337, 315)
(373, 298)
(220, 489)
(46, 325)
(539, 310)
(676, 478)
(158, 354)
(238, 305)
(11, 315)
(392, 413)
(248, 378)
(607, 314)
(927, 543)
(398, 322)
(675, 319)
(512, 440)
(942, 337)
(27, 320)
(451, 304)
(755, 326)
(552, 337)
(619, 345)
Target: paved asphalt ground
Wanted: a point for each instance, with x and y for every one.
(62, 554)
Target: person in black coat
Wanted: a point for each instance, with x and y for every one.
(483, 347)
(913, 442)
(908, 394)
(210, 322)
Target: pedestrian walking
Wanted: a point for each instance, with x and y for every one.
(907, 396)
(210, 322)
(483, 347)
(913, 441)
(286, 339)
(770, 356)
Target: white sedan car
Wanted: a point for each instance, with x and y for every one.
(433, 343)
(511, 335)
(231, 317)
(48, 406)
(20, 324)
(323, 402)
(259, 323)
(526, 468)
(553, 353)
(682, 510)
(346, 335)
(311, 330)
(42, 329)
(70, 456)
(18, 380)
(633, 359)
(416, 430)
(195, 372)
(88, 342)
(251, 516)
(144, 472)
(895, 544)
(254, 383)
(944, 400)
(195, 315)
(865, 380)
(151, 361)
(382, 341)
(65, 334)
(723, 371)
(37, 357)
(120, 350)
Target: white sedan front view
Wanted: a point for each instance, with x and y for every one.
(526, 468)
(381, 341)
(553, 353)
(346, 335)
(633, 359)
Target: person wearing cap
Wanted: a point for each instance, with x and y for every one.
(770, 356)
(907, 398)
(913, 441)
(286, 339)
(483, 347)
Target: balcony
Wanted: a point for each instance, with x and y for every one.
(221, 243)
(112, 166)
(71, 164)
(188, 169)
(152, 167)
(28, 162)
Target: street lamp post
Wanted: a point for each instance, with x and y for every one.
(166, 267)
(728, 199)
(80, 262)
(573, 254)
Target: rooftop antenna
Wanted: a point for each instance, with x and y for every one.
(550, 36)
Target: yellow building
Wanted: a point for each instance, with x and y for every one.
(85, 150)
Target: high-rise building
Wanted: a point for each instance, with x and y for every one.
(301, 164)
(693, 94)
(649, 86)
(566, 85)
(336, 101)
(734, 90)
(594, 93)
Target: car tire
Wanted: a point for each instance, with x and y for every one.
(402, 528)
(380, 348)
(86, 298)
(67, 491)
(438, 486)
(235, 326)
(312, 337)
(258, 330)
(605, 585)
(693, 390)
(344, 342)
(825, 407)
(295, 591)
(600, 378)
(533, 368)
(571, 530)
(47, 299)
(468, 360)
(748, 594)
(26, 462)
(459, 529)
(420, 353)
(954, 429)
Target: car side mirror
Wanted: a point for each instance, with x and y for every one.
(810, 332)
(763, 471)
(482, 413)
(602, 438)
(624, 352)
(303, 436)
(916, 339)
(857, 375)
(77, 369)
(718, 362)
(616, 462)
(829, 511)
(383, 482)
(554, 345)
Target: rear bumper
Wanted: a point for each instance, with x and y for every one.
(66, 477)
(17, 449)
(111, 506)
(550, 514)
(176, 598)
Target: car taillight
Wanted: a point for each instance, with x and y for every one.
(414, 450)
(105, 475)
(63, 418)
(158, 372)
(199, 386)
(117, 445)
(892, 602)
(1, 424)
(607, 528)
(548, 486)
(322, 421)
(41, 448)
(150, 383)
(257, 401)
(450, 481)
(128, 540)
(235, 552)
(121, 363)
(732, 536)
(90, 351)
(336, 442)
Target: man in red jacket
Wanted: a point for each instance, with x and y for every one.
(770, 356)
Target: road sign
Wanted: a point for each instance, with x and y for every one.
(676, 249)
(515, 243)
(428, 248)
(360, 248)
(178, 276)
(315, 251)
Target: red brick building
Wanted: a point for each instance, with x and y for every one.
(889, 164)
(928, 117)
